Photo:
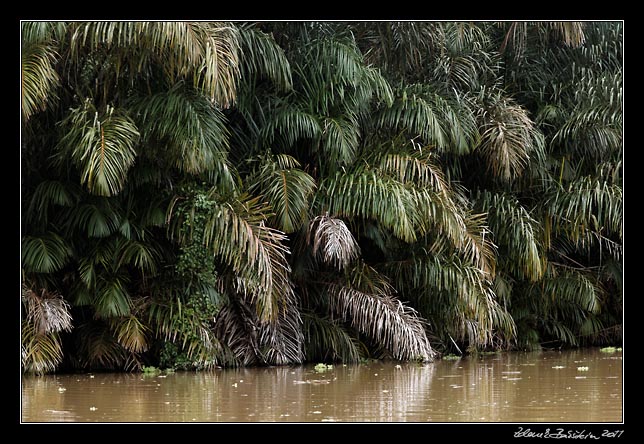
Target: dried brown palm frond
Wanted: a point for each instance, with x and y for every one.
(368, 303)
(332, 241)
(47, 312)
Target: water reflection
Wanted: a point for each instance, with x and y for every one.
(511, 387)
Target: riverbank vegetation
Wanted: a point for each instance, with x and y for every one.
(228, 194)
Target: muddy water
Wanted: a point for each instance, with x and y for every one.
(509, 387)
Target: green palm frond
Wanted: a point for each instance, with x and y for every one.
(39, 79)
(237, 234)
(419, 167)
(595, 131)
(206, 52)
(289, 123)
(587, 203)
(332, 241)
(112, 298)
(140, 255)
(332, 74)
(49, 193)
(416, 114)
(563, 305)
(456, 295)
(42, 32)
(326, 340)
(444, 122)
(46, 253)
(97, 220)
(191, 127)
(286, 188)
(340, 139)
(516, 232)
(366, 193)
(403, 48)
(261, 57)
(102, 145)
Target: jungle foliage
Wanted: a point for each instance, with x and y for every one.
(227, 194)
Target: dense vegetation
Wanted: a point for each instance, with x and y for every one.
(201, 194)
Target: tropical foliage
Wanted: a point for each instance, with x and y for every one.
(222, 194)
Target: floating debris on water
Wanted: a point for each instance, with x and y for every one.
(582, 369)
(321, 368)
(610, 349)
(93, 409)
(557, 367)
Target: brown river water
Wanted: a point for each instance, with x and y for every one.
(570, 386)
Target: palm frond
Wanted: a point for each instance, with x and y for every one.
(97, 220)
(592, 130)
(586, 203)
(39, 79)
(332, 241)
(261, 57)
(368, 194)
(562, 287)
(112, 298)
(457, 295)
(49, 193)
(102, 145)
(42, 32)
(404, 48)
(218, 72)
(98, 348)
(286, 188)
(47, 312)
(289, 123)
(40, 353)
(281, 342)
(237, 336)
(207, 53)
(326, 340)
(339, 140)
(193, 129)
(518, 34)
(237, 234)
(516, 232)
(416, 114)
(131, 333)
(508, 136)
(140, 255)
(368, 304)
(46, 253)
(419, 167)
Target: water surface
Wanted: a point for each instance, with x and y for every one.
(508, 387)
